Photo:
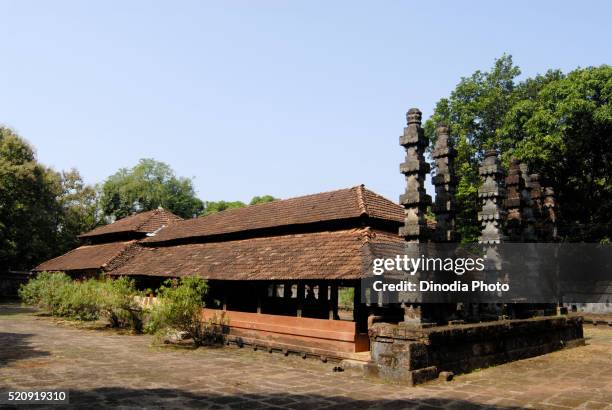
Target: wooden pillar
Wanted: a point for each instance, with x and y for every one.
(333, 302)
(300, 298)
(287, 294)
(356, 302)
(258, 291)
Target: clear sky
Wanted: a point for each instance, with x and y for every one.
(262, 97)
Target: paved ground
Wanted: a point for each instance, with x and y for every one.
(106, 369)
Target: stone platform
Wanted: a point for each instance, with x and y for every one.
(412, 355)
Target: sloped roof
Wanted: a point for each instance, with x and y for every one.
(144, 222)
(86, 257)
(327, 206)
(340, 254)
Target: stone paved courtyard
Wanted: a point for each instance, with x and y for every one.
(106, 369)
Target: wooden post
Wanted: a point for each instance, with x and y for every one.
(300, 297)
(223, 287)
(356, 302)
(333, 302)
(287, 294)
(258, 292)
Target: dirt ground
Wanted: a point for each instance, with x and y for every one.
(106, 369)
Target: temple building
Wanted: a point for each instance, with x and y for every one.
(286, 272)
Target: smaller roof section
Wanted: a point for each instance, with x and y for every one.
(328, 255)
(87, 257)
(142, 223)
(336, 205)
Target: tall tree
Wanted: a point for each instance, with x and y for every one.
(80, 209)
(29, 211)
(559, 125)
(565, 132)
(474, 112)
(146, 186)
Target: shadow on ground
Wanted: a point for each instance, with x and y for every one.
(15, 346)
(163, 398)
(14, 308)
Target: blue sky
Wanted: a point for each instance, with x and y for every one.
(262, 97)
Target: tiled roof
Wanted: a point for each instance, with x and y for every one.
(327, 206)
(320, 255)
(144, 222)
(86, 257)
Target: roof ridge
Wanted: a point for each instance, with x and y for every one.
(378, 195)
(367, 234)
(152, 211)
(129, 245)
(226, 211)
(361, 200)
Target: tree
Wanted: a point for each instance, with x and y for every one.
(262, 199)
(29, 211)
(559, 124)
(212, 207)
(146, 186)
(218, 206)
(565, 132)
(80, 209)
(474, 112)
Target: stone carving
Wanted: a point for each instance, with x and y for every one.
(445, 183)
(491, 193)
(527, 214)
(514, 186)
(537, 200)
(415, 200)
(549, 215)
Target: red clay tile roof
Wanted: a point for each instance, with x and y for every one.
(327, 206)
(145, 222)
(319, 255)
(86, 257)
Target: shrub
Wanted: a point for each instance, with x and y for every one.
(81, 300)
(180, 309)
(119, 304)
(47, 291)
(86, 300)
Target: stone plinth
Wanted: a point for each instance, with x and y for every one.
(403, 354)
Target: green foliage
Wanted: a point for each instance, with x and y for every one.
(87, 300)
(262, 199)
(474, 112)
(565, 132)
(80, 300)
(346, 298)
(41, 211)
(218, 206)
(119, 305)
(80, 209)
(47, 291)
(29, 211)
(179, 308)
(147, 186)
(559, 124)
